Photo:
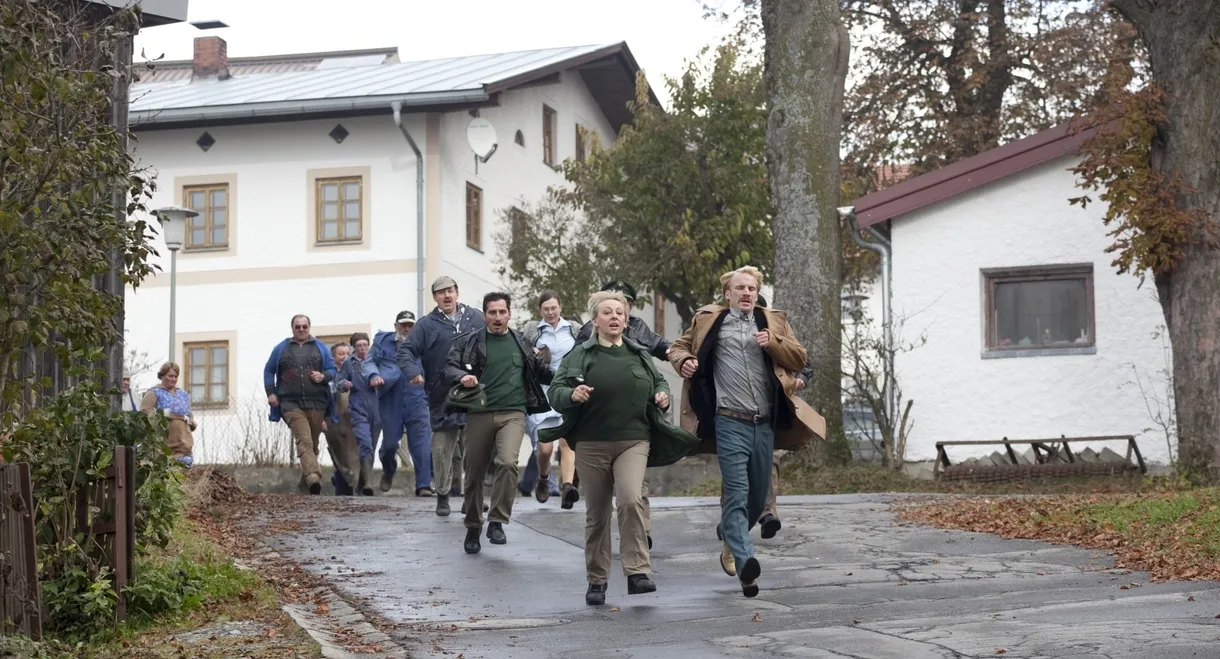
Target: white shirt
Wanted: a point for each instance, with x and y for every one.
(558, 339)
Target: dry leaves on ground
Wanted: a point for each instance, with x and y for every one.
(1174, 536)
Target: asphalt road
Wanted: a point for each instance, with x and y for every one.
(842, 579)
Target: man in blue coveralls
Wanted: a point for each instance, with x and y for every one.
(403, 405)
(363, 409)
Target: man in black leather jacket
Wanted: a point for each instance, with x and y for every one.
(511, 375)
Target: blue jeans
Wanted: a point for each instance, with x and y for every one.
(529, 476)
(744, 450)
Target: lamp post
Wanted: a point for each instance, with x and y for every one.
(173, 229)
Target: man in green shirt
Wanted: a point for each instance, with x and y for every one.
(511, 375)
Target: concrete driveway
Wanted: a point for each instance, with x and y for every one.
(842, 579)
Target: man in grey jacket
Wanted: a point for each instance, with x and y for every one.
(422, 358)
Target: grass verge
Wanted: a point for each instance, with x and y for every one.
(190, 600)
(796, 478)
(1172, 535)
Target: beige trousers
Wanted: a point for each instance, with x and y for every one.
(502, 432)
(614, 472)
(306, 425)
(341, 442)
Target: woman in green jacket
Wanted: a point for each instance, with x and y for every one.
(611, 396)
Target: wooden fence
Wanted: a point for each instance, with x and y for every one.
(20, 604)
(112, 529)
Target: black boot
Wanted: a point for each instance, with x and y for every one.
(366, 477)
(472, 544)
(770, 526)
(442, 505)
(638, 584)
(570, 496)
(495, 533)
(596, 595)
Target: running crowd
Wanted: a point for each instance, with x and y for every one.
(466, 390)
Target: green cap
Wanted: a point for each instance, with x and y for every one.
(471, 399)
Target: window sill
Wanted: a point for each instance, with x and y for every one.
(473, 248)
(205, 250)
(337, 243)
(1039, 352)
(210, 406)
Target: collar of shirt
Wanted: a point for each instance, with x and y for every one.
(544, 326)
(607, 344)
(743, 316)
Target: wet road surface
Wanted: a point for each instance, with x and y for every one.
(842, 579)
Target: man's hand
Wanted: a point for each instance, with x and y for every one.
(763, 338)
(272, 400)
(470, 381)
(800, 384)
(347, 385)
(316, 376)
(323, 426)
(376, 381)
(689, 367)
(419, 379)
(581, 393)
(661, 399)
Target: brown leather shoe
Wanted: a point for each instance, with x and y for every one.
(726, 560)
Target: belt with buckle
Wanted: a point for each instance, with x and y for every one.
(743, 416)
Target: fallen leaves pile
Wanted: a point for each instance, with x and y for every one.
(1173, 536)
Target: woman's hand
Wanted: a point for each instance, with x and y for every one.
(661, 399)
(581, 393)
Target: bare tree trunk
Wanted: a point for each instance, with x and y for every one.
(1184, 51)
(806, 66)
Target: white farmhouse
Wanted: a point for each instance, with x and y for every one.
(1031, 333)
(305, 178)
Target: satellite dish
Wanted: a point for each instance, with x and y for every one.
(482, 138)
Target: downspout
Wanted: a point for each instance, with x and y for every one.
(419, 208)
(882, 248)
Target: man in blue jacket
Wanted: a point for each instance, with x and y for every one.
(422, 359)
(297, 380)
(403, 406)
(363, 409)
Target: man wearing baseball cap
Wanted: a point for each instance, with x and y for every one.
(403, 406)
(422, 358)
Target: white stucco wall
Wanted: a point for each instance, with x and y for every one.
(248, 293)
(1024, 220)
(514, 175)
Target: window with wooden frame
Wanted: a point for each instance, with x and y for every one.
(474, 216)
(548, 136)
(206, 373)
(339, 213)
(1039, 308)
(580, 144)
(210, 228)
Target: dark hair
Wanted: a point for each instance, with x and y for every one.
(497, 295)
(547, 296)
(300, 315)
(358, 336)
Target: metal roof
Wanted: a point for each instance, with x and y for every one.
(453, 80)
(170, 71)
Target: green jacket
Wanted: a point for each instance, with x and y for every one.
(668, 443)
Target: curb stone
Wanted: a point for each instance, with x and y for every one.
(322, 627)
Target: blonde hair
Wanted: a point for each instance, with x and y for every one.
(167, 367)
(599, 297)
(743, 270)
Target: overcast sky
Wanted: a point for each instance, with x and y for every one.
(661, 33)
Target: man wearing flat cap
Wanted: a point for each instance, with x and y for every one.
(422, 359)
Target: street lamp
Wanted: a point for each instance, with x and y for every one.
(173, 229)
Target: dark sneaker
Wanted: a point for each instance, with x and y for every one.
(472, 545)
(495, 533)
(770, 526)
(596, 595)
(750, 571)
(638, 584)
(442, 505)
(570, 496)
(542, 491)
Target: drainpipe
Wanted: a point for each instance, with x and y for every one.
(419, 207)
(881, 247)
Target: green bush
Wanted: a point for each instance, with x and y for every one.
(67, 443)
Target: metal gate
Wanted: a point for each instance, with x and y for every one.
(20, 603)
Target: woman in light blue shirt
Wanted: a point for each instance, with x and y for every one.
(553, 337)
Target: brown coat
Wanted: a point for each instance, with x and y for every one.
(787, 356)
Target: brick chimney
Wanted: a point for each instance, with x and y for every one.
(211, 58)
